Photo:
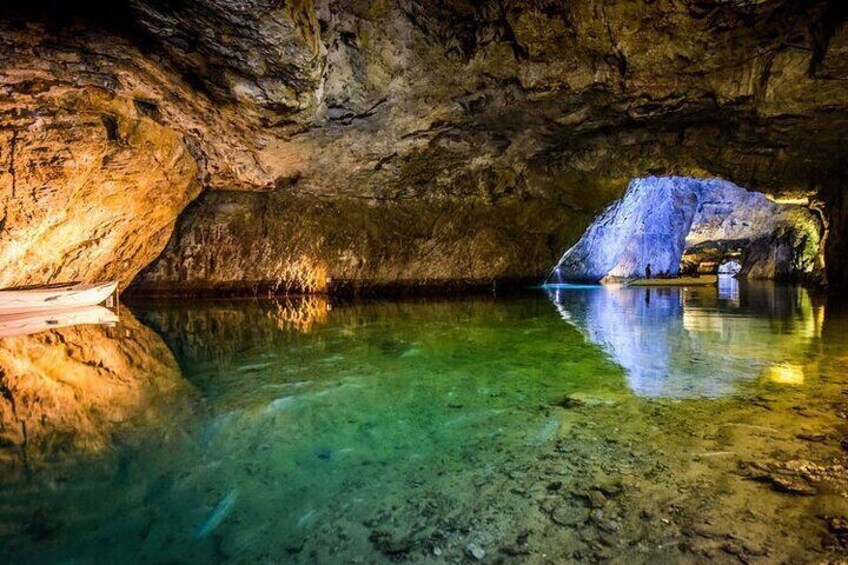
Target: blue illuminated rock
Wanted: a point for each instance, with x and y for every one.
(659, 217)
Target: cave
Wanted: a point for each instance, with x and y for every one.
(313, 281)
(670, 225)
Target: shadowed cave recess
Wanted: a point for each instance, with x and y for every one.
(246, 147)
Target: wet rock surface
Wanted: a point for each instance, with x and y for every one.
(249, 243)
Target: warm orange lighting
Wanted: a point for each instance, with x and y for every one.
(79, 384)
(300, 314)
(303, 275)
(786, 374)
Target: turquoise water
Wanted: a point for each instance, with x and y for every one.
(567, 424)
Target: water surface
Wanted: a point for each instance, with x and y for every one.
(575, 424)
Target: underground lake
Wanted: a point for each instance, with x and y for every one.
(423, 281)
(568, 423)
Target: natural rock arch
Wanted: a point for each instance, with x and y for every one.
(660, 217)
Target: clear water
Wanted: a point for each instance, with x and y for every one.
(569, 424)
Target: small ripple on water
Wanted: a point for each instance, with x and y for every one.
(286, 386)
(307, 518)
(279, 404)
(253, 368)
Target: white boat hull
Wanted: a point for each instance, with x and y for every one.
(55, 298)
(35, 322)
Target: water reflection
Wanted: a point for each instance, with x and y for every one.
(30, 323)
(314, 421)
(69, 390)
(697, 342)
(411, 431)
(221, 342)
(728, 288)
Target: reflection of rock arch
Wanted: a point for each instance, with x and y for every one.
(670, 342)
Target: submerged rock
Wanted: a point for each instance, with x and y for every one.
(580, 400)
(391, 543)
(569, 514)
(791, 486)
(546, 432)
(475, 551)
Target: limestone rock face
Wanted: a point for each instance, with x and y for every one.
(91, 183)
(480, 106)
(264, 55)
(97, 203)
(647, 227)
(658, 218)
(469, 108)
(242, 242)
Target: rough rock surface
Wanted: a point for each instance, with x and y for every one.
(479, 107)
(90, 183)
(237, 242)
(659, 217)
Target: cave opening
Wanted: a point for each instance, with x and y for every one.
(730, 267)
(674, 226)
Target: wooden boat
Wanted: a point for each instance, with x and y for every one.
(703, 280)
(54, 297)
(34, 322)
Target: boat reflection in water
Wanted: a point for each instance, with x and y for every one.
(35, 322)
(697, 342)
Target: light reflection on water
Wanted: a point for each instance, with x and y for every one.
(695, 342)
(295, 432)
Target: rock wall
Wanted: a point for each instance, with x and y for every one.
(91, 182)
(467, 107)
(249, 243)
(836, 245)
(659, 217)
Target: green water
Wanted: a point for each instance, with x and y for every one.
(575, 424)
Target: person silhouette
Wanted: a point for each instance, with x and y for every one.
(648, 271)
